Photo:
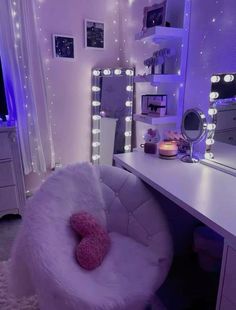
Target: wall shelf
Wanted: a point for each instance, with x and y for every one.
(159, 78)
(160, 34)
(173, 38)
(168, 119)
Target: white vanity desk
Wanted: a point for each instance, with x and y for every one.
(207, 194)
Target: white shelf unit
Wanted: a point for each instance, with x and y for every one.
(168, 35)
(147, 119)
(155, 79)
(159, 34)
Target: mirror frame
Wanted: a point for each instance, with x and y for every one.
(211, 127)
(212, 112)
(97, 73)
(189, 158)
(203, 124)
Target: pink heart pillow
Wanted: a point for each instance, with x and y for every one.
(95, 241)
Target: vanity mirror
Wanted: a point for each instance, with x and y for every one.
(193, 130)
(112, 113)
(221, 135)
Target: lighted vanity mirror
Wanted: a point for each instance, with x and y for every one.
(193, 130)
(221, 136)
(112, 113)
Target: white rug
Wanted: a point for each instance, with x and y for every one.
(9, 302)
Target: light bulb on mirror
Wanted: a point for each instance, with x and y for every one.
(212, 111)
(127, 147)
(96, 117)
(96, 89)
(128, 103)
(107, 72)
(96, 72)
(128, 134)
(95, 157)
(129, 88)
(215, 79)
(214, 95)
(96, 144)
(210, 141)
(128, 119)
(209, 156)
(129, 72)
(117, 71)
(96, 131)
(211, 126)
(96, 103)
(228, 78)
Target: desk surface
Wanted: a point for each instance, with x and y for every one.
(207, 194)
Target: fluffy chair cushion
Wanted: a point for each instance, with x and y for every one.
(95, 241)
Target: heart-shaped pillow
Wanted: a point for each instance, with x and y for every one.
(95, 241)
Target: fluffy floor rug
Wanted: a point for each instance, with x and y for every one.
(9, 302)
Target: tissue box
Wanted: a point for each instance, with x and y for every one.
(154, 105)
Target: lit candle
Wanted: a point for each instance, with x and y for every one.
(168, 148)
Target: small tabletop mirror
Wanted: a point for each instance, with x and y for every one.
(193, 128)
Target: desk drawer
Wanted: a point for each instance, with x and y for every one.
(226, 119)
(5, 146)
(7, 176)
(8, 198)
(228, 136)
(229, 288)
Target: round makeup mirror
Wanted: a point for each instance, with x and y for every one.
(194, 126)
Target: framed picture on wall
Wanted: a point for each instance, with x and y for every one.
(94, 34)
(63, 46)
(154, 15)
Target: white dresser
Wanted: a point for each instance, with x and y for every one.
(12, 190)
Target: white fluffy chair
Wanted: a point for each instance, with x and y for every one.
(136, 265)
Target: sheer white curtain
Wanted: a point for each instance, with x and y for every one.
(25, 83)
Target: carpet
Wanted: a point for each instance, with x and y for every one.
(9, 302)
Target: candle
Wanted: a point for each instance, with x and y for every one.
(168, 148)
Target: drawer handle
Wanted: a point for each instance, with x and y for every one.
(231, 138)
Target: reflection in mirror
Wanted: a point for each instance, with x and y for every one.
(193, 129)
(112, 113)
(192, 125)
(221, 137)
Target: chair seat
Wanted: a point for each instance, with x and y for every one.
(43, 257)
(128, 272)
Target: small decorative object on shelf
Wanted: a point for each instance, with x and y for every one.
(151, 139)
(168, 149)
(158, 59)
(154, 105)
(154, 15)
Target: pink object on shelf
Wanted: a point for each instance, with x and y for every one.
(95, 242)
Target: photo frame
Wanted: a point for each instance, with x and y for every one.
(63, 46)
(154, 15)
(94, 33)
(154, 105)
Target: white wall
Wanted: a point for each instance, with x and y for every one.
(70, 81)
(212, 48)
